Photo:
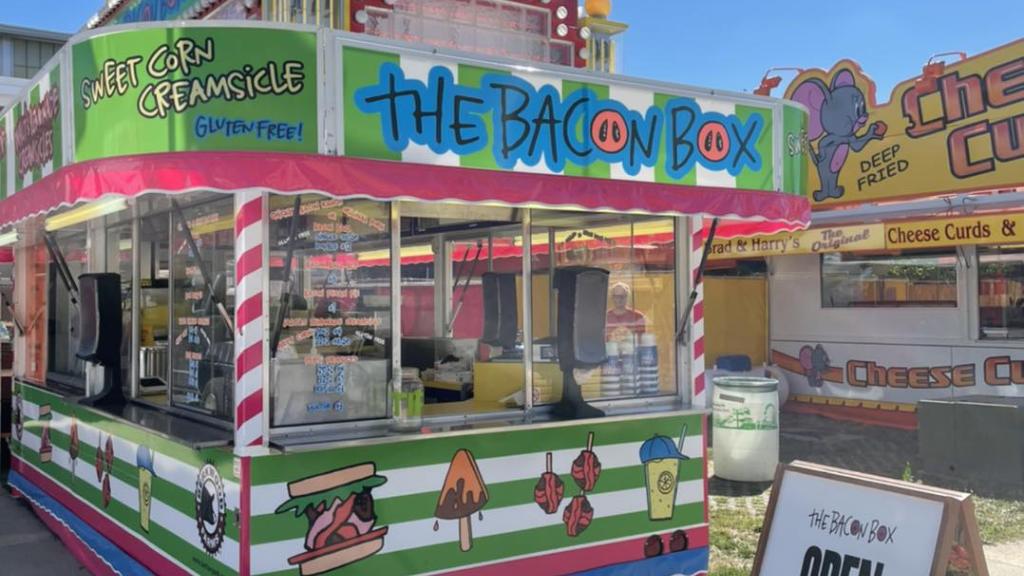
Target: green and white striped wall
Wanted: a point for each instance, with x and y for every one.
(510, 461)
(172, 527)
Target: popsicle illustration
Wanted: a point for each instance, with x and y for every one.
(45, 446)
(660, 457)
(73, 448)
(586, 468)
(144, 460)
(549, 490)
(462, 495)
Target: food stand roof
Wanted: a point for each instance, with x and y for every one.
(170, 108)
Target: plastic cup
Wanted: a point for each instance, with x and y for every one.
(145, 497)
(661, 476)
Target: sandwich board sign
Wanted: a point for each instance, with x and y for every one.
(824, 521)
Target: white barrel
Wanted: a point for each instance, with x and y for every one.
(746, 428)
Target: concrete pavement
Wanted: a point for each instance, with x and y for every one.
(27, 547)
(1005, 559)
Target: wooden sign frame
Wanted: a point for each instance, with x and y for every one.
(958, 521)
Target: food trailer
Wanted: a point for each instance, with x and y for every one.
(909, 285)
(294, 301)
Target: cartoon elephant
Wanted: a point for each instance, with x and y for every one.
(815, 362)
(837, 112)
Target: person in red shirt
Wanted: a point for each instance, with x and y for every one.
(623, 324)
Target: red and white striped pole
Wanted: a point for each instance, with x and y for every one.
(250, 435)
(696, 328)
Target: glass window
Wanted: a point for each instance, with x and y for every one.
(35, 313)
(1001, 291)
(119, 261)
(462, 303)
(330, 309)
(922, 279)
(637, 342)
(203, 295)
(29, 56)
(72, 260)
(154, 272)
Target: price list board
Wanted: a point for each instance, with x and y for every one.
(202, 346)
(330, 310)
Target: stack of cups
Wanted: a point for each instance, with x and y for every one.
(611, 371)
(647, 364)
(627, 354)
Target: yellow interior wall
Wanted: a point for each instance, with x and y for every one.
(735, 318)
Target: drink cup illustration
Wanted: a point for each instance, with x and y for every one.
(660, 457)
(144, 460)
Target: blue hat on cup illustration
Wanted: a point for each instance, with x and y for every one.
(660, 447)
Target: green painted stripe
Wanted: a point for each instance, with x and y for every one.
(3, 158)
(765, 178)
(599, 168)
(660, 173)
(179, 498)
(527, 542)
(182, 550)
(221, 458)
(426, 450)
(275, 527)
(363, 136)
(472, 76)
(794, 162)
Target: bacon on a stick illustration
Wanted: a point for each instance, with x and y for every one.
(586, 468)
(549, 490)
(577, 515)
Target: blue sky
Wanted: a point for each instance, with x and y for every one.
(728, 44)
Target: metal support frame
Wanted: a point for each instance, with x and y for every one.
(396, 303)
(527, 313)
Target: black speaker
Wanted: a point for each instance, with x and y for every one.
(100, 327)
(582, 307)
(100, 318)
(582, 310)
(501, 312)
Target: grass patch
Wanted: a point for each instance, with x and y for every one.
(734, 532)
(999, 520)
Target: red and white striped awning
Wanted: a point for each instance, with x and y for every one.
(756, 212)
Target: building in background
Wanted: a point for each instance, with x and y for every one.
(22, 52)
(599, 32)
(541, 31)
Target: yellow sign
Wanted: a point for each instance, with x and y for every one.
(958, 128)
(814, 241)
(994, 229)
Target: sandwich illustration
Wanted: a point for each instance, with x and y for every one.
(339, 508)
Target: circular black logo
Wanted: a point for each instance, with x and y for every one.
(210, 508)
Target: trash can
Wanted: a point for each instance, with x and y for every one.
(745, 412)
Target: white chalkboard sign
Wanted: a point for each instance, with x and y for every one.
(825, 521)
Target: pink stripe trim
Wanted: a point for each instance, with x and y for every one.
(250, 261)
(249, 310)
(249, 359)
(251, 213)
(250, 407)
(257, 441)
(587, 558)
(698, 311)
(698, 348)
(132, 545)
(384, 180)
(698, 384)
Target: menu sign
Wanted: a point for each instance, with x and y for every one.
(330, 360)
(825, 521)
